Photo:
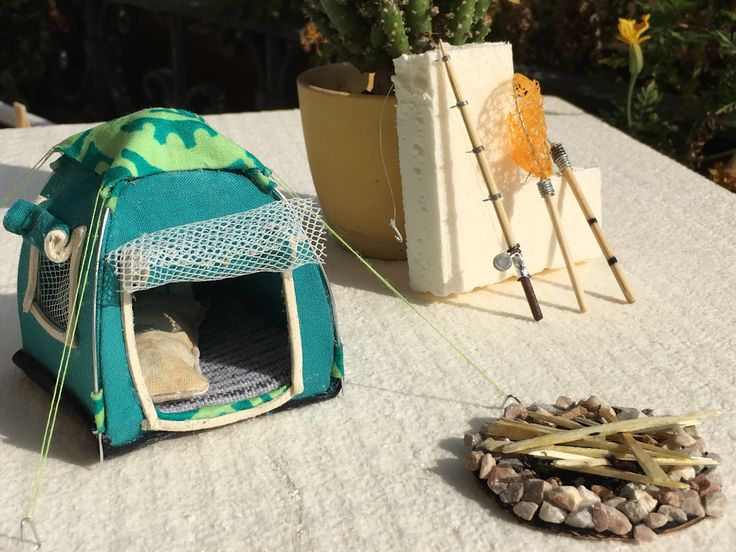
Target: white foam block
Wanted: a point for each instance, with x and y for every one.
(452, 235)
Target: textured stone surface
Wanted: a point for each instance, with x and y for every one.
(669, 496)
(500, 477)
(535, 489)
(512, 493)
(563, 402)
(525, 510)
(583, 519)
(604, 493)
(690, 503)
(487, 464)
(356, 472)
(715, 505)
(704, 485)
(618, 523)
(655, 520)
(644, 534)
(587, 497)
(672, 513)
(514, 411)
(551, 513)
(615, 502)
(566, 497)
(684, 473)
(635, 510)
(472, 460)
(600, 515)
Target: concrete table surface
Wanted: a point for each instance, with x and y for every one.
(380, 467)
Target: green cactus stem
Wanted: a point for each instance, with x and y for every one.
(464, 15)
(418, 17)
(481, 21)
(393, 24)
(345, 18)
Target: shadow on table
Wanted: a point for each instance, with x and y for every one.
(12, 185)
(454, 473)
(24, 406)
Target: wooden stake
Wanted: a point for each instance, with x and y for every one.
(563, 163)
(21, 115)
(494, 195)
(641, 424)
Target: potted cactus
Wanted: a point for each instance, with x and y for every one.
(348, 110)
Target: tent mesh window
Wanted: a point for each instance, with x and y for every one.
(279, 236)
(52, 290)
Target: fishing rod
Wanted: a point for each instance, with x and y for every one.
(512, 255)
(559, 156)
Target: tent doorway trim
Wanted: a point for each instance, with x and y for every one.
(153, 422)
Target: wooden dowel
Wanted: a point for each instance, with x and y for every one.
(494, 194)
(647, 463)
(631, 426)
(563, 163)
(482, 162)
(572, 272)
(626, 476)
(21, 115)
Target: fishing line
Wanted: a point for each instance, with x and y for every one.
(81, 284)
(392, 222)
(24, 180)
(469, 361)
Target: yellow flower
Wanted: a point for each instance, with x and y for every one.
(629, 31)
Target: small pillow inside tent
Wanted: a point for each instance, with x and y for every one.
(166, 336)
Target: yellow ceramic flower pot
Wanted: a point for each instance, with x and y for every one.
(344, 131)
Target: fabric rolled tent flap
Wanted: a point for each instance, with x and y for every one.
(206, 301)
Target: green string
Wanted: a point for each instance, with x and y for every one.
(469, 361)
(24, 180)
(81, 285)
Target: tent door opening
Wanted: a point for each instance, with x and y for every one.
(209, 353)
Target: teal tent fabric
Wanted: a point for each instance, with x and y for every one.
(158, 169)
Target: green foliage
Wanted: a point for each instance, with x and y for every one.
(24, 43)
(689, 95)
(691, 56)
(371, 33)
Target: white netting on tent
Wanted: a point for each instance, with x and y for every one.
(52, 290)
(282, 235)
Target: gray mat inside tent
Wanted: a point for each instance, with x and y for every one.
(241, 355)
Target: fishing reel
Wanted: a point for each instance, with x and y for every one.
(513, 257)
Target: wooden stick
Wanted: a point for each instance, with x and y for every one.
(513, 247)
(626, 476)
(580, 463)
(559, 421)
(572, 272)
(650, 467)
(518, 432)
(641, 424)
(21, 116)
(563, 163)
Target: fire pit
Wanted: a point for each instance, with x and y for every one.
(591, 470)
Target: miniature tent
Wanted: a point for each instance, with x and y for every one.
(205, 302)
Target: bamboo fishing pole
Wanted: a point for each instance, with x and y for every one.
(559, 155)
(528, 136)
(513, 248)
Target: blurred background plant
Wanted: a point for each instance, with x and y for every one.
(75, 60)
(371, 33)
(684, 104)
(26, 47)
